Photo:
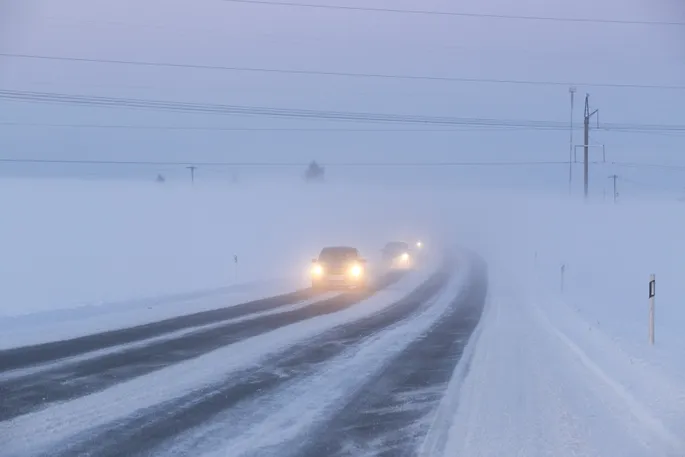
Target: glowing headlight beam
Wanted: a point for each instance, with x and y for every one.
(356, 270)
(317, 270)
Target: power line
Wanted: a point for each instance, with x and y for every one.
(459, 14)
(558, 53)
(446, 79)
(331, 164)
(648, 165)
(455, 129)
(452, 129)
(304, 114)
(652, 186)
(186, 107)
(278, 164)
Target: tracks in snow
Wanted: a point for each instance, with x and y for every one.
(141, 434)
(397, 393)
(388, 416)
(28, 356)
(205, 332)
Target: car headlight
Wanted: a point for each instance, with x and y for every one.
(317, 270)
(419, 244)
(405, 257)
(356, 270)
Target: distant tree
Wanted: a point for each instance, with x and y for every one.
(314, 172)
(160, 179)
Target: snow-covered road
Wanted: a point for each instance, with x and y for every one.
(538, 385)
(451, 359)
(287, 367)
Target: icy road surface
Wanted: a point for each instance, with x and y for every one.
(296, 374)
(454, 359)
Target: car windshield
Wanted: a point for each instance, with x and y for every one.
(395, 247)
(338, 254)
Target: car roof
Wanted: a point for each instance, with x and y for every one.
(397, 244)
(339, 249)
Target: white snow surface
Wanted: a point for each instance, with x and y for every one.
(532, 390)
(552, 372)
(570, 372)
(276, 424)
(81, 257)
(70, 244)
(608, 252)
(63, 324)
(164, 337)
(31, 433)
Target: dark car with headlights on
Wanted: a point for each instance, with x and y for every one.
(339, 267)
(398, 255)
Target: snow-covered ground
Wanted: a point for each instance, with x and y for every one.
(570, 372)
(67, 244)
(49, 426)
(80, 257)
(40, 327)
(550, 372)
(285, 417)
(538, 385)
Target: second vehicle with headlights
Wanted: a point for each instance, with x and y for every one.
(339, 266)
(398, 255)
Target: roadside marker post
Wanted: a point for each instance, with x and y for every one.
(563, 270)
(652, 293)
(235, 273)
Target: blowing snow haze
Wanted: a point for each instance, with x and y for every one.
(45, 41)
(170, 169)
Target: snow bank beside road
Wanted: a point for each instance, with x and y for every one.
(572, 373)
(68, 244)
(75, 244)
(532, 391)
(608, 251)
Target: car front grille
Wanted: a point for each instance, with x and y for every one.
(335, 269)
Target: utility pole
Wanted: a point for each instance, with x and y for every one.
(572, 91)
(614, 177)
(192, 173)
(586, 142)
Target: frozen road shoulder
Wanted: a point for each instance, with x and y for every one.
(531, 389)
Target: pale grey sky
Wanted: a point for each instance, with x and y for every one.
(214, 32)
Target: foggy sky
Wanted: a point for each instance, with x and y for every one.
(213, 32)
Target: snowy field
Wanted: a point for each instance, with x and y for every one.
(562, 365)
(67, 244)
(558, 365)
(81, 257)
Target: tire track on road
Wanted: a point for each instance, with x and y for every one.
(65, 382)
(28, 356)
(388, 417)
(140, 435)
